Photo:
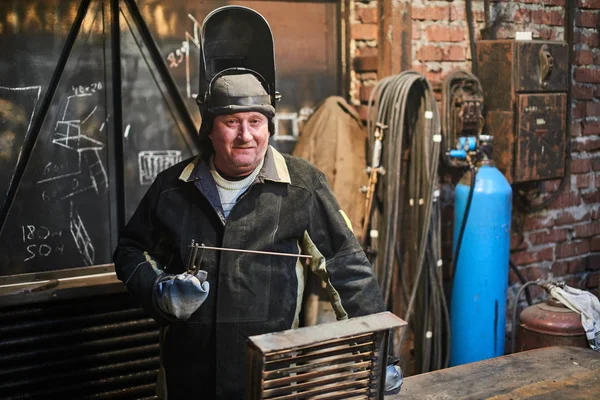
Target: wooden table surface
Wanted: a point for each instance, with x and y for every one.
(550, 373)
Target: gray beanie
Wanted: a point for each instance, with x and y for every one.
(239, 93)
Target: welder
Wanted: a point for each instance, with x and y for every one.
(237, 193)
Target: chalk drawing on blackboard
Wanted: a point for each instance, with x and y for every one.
(177, 57)
(152, 162)
(81, 237)
(69, 133)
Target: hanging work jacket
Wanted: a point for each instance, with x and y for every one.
(288, 209)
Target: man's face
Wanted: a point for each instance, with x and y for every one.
(240, 141)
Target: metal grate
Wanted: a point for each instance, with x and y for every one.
(340, 360)
(99, 347)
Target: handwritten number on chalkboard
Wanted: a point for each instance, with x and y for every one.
(93, 88)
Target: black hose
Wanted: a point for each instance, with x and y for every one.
(464, 221)
(522, 279)
(469, 12)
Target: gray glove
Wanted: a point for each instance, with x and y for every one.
(181, 295)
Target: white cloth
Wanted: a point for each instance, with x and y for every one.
(584, 303)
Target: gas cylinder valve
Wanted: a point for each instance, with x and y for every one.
(472, 148)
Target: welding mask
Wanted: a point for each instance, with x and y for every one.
(237, 65)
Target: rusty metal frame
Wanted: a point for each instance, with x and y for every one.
(338, 360)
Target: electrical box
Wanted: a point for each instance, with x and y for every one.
(525, 91)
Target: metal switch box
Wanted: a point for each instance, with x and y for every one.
(525, 91)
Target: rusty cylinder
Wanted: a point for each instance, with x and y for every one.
(549, 324)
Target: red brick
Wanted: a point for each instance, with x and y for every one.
(546, 33)
(590, 38)
(583, 92)
(567, 218)
(522, 15)
(593, 280)
(581, 165)
(595, 243)
(433, 77)
(593, 4)
(551, 236)
(592, 197)
(551, 185)
(583, 57)
(591, 128)
(592, 109)
(429, 53)
(583, 181)
(587, 230)
(365, 92)
(368, 63)
(366, 51)
(579, 110)
(596, 164)
(433, 13)
(587, 74)
(367, 15)
(565, 200)
(587, 19)
(530, 257)
(454, 53)
(593, 262)
(548, 17)
(585, 145)
(364, 31)
(572, 249)
(576, 129)
(416, 30)
(542, 2)
(442, 33)
(597, 92)
(561, 268)
(536, 222)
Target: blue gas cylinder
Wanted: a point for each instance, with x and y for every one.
(478, 305)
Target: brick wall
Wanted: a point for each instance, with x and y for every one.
(562, 241)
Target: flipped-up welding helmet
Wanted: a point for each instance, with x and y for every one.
(237, 64)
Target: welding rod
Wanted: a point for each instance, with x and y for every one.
(201, 246)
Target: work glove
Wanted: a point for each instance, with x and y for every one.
(181, 295)
(393, 380)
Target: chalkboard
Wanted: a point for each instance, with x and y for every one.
(63, 214)
(59, 215)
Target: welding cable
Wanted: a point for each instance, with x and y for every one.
(522, 279)
(405, 104)
(513, 336)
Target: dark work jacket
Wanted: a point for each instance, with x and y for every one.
(288, 209)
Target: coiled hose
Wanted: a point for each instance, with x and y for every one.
(407, 213)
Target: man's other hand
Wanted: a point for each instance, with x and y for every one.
(181, 295)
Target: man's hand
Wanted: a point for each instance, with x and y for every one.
(181, 295)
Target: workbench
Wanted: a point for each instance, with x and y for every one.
(549, 373)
